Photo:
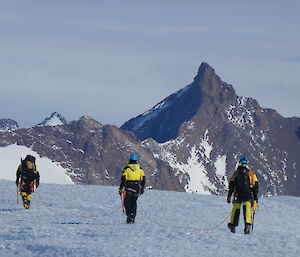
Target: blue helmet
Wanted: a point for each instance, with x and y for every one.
(133, 157)
(243, 160)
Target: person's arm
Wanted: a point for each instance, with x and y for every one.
(143, 181)
(255, 191)
(123, 180)
(231, 187)
(18, 175)
(37, 179)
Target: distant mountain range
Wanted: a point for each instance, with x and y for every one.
(8, 124)
(191, 141)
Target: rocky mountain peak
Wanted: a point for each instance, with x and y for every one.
(163, 121)
(86, 123)
(55, 119)
(206, 69)
(211, 84)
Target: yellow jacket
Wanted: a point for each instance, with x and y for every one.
(133, 172)
(133, 178)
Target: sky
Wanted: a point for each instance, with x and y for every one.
(113, 60)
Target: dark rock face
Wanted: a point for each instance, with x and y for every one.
(298, 133)
(170, 114)
(8, 124)
(205, 144)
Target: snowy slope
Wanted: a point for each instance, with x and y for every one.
(161, 227)
(196, 164)
(50, 172)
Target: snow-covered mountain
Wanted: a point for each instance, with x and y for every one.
(82, 221)
(203, 129)
(8, 124)
(54, 120)
(89, 152)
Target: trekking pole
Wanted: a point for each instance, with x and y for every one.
(253, 215)
(17, 194)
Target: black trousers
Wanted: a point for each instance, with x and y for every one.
(130, 203)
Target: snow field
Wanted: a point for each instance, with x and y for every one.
(41, 231)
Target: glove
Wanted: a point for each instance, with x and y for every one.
(255, 205)
(120, 192)
(228, 199)
(37, 185)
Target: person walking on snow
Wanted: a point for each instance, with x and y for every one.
(133, 182)
(243, 185)
(27, 178)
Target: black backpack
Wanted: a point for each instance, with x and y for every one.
(28, 171)
(242, 181)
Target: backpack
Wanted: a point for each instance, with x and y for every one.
(28, 170)
(242, 181)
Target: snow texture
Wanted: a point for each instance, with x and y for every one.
(194, 167)
(54, 122)
(220, 165)
(168, 224)
(50, 172)
(241, 113)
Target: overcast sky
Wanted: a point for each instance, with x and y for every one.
(113, 60)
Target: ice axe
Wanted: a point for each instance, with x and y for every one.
(123, 195)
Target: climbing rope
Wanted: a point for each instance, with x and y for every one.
(182, 227)
(143, 210)
(71, 214)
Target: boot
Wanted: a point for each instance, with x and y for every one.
(231, 227)
(247, 228)
(129, 220)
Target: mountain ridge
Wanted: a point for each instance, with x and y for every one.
(190, 141)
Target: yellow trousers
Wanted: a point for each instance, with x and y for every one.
(235, 213)
(26, 199)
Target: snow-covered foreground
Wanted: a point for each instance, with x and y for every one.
(46, 230)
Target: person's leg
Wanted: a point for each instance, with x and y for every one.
(28, 200)
(247, 216)
(128, 205)
(134, 206)
(235, 215)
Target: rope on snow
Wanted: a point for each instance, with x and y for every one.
(74, 215)
(182, 227)
(143, 210)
